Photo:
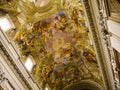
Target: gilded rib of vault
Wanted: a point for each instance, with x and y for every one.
(56, 36)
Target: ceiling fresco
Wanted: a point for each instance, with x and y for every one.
(56, 36)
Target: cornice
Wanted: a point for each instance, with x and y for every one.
(13, 60)
(95, 37)
(98, 41)
(15, 68)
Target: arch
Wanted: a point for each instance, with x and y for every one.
(84, 85)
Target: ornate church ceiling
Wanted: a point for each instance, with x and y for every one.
(56, 36)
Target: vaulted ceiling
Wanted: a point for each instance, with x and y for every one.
(54, 33)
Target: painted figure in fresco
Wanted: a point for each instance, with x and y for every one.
(60, 46)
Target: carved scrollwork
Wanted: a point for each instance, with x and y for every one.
(106, 36)
(2, 74)
(104, 30)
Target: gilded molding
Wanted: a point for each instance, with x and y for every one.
(116, 5)
(113, 6)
